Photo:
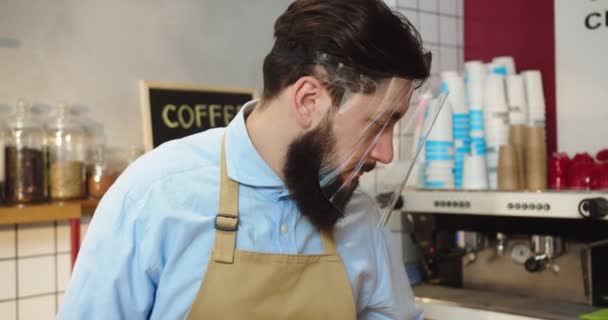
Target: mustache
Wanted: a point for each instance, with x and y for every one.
(367, 167)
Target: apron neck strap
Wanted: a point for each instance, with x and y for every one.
(226, 221)
(328, 242)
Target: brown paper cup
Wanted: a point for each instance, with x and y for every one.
(535, 137)
(536, 168)
(517, 138)
(508, 170)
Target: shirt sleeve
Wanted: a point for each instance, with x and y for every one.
(114, 277)
(392, 297)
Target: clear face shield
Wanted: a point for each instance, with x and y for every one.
(367, 117)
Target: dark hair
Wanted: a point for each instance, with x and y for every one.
(364, 34)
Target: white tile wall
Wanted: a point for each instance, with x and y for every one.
(84, 226)
(64, 267)
(59, 301)
(428, 5)
(448, 7)
(63, 237)
(8, 310)
(8, 289)
(429, 27)
(35, 239)
(36, 276)
(412, 15)
(449, 59)
(38, 308)
(7, 242)
(448, 34)
(408, 3)
(35, 268)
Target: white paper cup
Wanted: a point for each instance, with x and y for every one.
(475, 174)
(475, 74)
(534, 90)
(507, 62)
(494, 93)
(457, 95)
(517, 118)
(516, 94)
(442, 129)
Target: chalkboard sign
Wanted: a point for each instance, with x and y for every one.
(172, 111)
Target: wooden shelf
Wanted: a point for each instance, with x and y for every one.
(45, 212)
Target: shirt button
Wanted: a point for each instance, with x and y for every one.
(284, 228)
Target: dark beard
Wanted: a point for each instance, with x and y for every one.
(301, 171)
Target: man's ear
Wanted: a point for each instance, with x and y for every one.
(310, 101)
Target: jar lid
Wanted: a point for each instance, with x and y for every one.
(63, 118)
(23, 117)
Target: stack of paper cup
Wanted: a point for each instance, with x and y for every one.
(474, 81)
(517, 138)
(516, 98)
(535, 97)
(475, 74)
(496, 119)
(535, 153)
(454, 85)
(508, 170)
(439, 150)
(495, 68)
(507, 63)
(475, 175)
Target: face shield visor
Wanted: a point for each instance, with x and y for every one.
(361, 126)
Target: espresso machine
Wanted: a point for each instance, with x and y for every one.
(538, 251)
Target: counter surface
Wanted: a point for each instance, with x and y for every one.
(500, 303)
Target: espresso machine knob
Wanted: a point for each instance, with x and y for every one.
(535, 264)
(593, 208)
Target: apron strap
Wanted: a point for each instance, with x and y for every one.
(328, 242)
(226, 221)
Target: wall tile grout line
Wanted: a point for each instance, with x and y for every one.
(32, 296)
(56, 269)
(33, 256)
(16, 272)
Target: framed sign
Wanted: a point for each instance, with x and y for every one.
(173, 111)
(581, 51)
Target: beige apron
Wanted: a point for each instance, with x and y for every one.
(248, 285)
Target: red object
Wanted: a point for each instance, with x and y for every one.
(580, 175)
(523, 29)
(558, 170)
(602, 155)
(600, 176)
(74, 239)
(583, 157)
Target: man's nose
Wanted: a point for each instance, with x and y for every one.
(383, 150)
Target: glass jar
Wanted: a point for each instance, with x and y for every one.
(67, 170)
(25, 157)
(103, 170)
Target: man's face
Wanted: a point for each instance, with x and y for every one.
(346, 144)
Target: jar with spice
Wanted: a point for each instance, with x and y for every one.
(67, 171)
(103, 170)
(25, 157)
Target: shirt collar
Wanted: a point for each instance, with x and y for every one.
(243, 162)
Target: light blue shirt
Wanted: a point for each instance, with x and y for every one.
(148, 245)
